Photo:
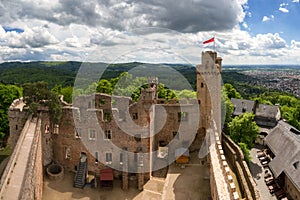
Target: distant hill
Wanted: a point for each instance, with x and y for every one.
(51, 72)
(64, 73)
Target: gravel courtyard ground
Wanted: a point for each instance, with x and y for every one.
(190, 182)
(258, 174)
(64, 190)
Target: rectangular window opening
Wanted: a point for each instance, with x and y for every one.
(67, 153)
(78, 132)
(108, 158)
(96, 158)
(121, 158)
(92, 134)
(135, 116)
(107, 135)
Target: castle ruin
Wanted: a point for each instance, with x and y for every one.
(101, 131)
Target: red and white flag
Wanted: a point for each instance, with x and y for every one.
(209, 41)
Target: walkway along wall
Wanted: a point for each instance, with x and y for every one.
(235, 156)
(31, 184)
(222, 186)
(13, 158)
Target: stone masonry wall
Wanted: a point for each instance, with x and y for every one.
(33, 180)
(47, 142)
(17, 118)
(13, 157)
(92, 116)
(291, 189)
(236, 158)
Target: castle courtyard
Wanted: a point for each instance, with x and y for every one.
(64, 190)
(184, 182)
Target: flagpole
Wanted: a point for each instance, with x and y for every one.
(214, 43)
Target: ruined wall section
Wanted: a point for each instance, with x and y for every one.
(17, 117)
(47, 142)
(67, 148)
(176, 125)
(96, 117)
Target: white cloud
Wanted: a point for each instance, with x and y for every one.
(283, 4)
(235, 46)
(112, 31)
(282, 7)
(266, 18)
(187, 16)
(295, 44)
(35, 37)
(284, 10)
(295, 1)
(245, 25)
(269, 41)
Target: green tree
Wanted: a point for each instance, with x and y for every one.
(55, 108)
(104, 86)
(186, 94)
(165, 93)
(91, 89)
(289, 106)
(227, 109)
(262, 101)
(231, 91)
(127, 85)
(243, 129)
(8, 93)
(38, 94)
(65, 91)
(246, 152)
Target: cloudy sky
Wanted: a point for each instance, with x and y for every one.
(245, 31)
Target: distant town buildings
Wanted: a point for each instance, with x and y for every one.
(282, 80)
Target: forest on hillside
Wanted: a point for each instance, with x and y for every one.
(64, 74)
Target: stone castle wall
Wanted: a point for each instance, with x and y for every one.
(291, 188)
(17, 118)
(222, 185)
(33, 180)
(13, 156)
(236, 157)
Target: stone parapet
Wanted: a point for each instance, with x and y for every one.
(226, 188)
(236, 158)
(218, 176)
